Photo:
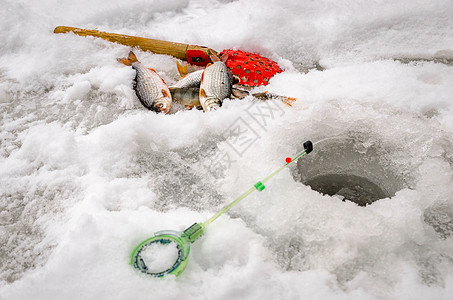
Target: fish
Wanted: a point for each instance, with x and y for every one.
(189, 96)
(264, 96)
(187, 90)
(216, 83)
(188, 80)
(150, 88)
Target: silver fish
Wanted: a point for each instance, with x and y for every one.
(187, 96)
(188, 80)
(190, 96)
(216, 83)
(150, 88)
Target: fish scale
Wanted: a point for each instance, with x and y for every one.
(147, 84)
(216, 84)
(188, 96)
(190, 80)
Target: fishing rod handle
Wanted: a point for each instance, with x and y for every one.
(197, 55)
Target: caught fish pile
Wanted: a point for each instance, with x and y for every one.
(206, 88)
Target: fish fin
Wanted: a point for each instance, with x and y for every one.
(266, 96)
(239, 93)
(132, 57)
(286, 100)
(202, 78)
(182, 69)
(125, 61)
(152, 69)
(202, 93)
(128, 60)
(224, 57)
(214, 58)
(165, 93)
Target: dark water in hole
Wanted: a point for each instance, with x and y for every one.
(357, 189)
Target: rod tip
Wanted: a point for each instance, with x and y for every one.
(308, 146)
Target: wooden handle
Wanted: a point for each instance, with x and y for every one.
(177, 50)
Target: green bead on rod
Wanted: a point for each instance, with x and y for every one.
(259, 186)
(193, 232)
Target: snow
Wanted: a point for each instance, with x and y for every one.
(86, 173)
(159, 257)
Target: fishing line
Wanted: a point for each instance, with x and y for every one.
(336, 137)
(142, 262)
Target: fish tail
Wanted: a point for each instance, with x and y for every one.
(128, 60)
(182, 69)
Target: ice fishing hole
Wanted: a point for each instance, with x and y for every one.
(361, 172)
(354, 188)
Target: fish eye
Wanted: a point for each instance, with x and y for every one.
(159, 105)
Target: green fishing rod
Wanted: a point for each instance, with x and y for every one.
(191, 234)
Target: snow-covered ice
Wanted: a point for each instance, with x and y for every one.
(86, 173)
